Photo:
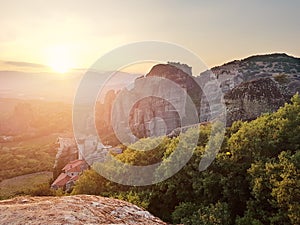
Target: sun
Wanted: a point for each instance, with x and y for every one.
(60, 66)
(59, 59)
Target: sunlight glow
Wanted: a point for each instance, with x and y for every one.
(59, 59)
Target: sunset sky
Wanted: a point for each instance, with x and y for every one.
(77, 33)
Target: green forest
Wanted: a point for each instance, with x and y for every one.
(31, 156)
(254, 179)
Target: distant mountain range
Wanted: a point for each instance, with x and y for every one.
(52, 86)
(44, 86)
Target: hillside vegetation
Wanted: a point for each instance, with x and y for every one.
(255, 178)
(24, 184)
(28, 133)
(31, 156)
(24, 119)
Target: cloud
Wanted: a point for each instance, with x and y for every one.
(24, 64)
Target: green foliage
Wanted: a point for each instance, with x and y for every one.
(25, 184)
(188, 209)
(145, 151)
(90, 183)
(30, 158)
(42, 190)
(213, 214)
(248, 221)
(138, 198)
(27, 119)
(275, 188)
(268, 135)
(253, 180)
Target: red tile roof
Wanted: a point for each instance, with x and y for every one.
(74, 166)
(61, 180)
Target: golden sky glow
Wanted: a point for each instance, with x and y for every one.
(67, 34)
(60, 58)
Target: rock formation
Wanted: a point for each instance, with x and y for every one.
(257, 84)
(81, 209)
(252, 86)
(250, 99)
(66, 151)
(157, 104)
(283, 69)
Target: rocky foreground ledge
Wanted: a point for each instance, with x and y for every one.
(80, 209)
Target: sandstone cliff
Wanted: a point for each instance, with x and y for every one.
(154, 105)
(282, 68)
(251, 87)
(153, 116)
(258, 84)
(251, 99)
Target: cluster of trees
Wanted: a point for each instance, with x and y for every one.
(30, 158)
(29, 119)
(254, 179)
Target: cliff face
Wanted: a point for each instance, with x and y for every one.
(283, 69)
(252, 86)
(66, 151)
(103, 119)
(154, 116)
(156, 104)
(258, 84)
(255, 85)
(81, 209)
(250, 99)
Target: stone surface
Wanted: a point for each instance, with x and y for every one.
(66, 151)
(251, 87)
(251, 99)
(158, 103)
(256, 85)
(80, 209)
(282, 68)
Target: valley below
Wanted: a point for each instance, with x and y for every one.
(254, 172)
